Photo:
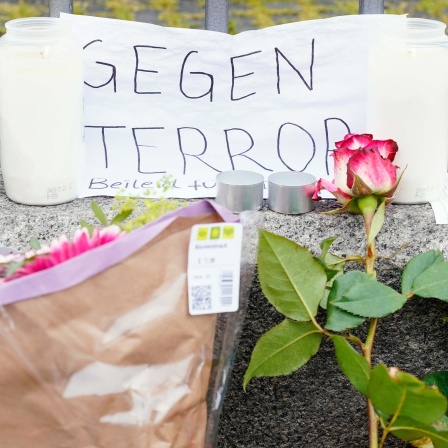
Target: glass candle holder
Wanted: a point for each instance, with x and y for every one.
(408, 102)
(41, 111)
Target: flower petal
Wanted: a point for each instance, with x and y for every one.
(387, 148)
(377, 174)
(341, 158)
(63, 249)
(354, 141)
(340, 195)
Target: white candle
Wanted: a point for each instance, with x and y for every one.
(41, 102)
(408, 102)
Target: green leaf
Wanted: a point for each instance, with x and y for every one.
(408, 429)
(371, 299)
(439, 379)
(35, 243)
(416, 266)
(433, 282)
(283, 349)
(120, 217)
(325, 246)
(99, 214)
(353, 365)
(331, 273)
(333, 265)
(90, 228)
(338, 319)
(398, 393)
(290, 278)
(13, 267)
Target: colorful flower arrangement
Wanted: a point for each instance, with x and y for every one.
(130, 214)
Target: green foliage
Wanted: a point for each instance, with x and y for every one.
(257, 13)
(440, 380)
(294, 281)
(399, 394)
(333, 266)
(23, 8)
(426, 275)
(35, 243)
(369, 298)
(291, 279)
(433, 282)
(144, 210)
(416, 266)
(337, 318)
(352, 364)
(407, 429)
(121, 9)
(283, 349)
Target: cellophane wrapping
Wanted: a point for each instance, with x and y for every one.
(101, 352)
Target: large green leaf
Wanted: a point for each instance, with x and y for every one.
(398, 393)
(433, 282)
(353, 365)
(371, 299)
(291, 279)
(439, 379)
(338, 319)
(418, 265)
(283, 349)
(408, 429)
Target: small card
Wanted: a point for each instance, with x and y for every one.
(214, 260)
(440, 206)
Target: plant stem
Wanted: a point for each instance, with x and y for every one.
(371, 414)
(368, 207)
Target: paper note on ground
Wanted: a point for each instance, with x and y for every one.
(440, 206)
(192, 103)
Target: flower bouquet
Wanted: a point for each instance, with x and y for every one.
(98, 347)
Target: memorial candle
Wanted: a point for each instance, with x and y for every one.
(408, 101)
(41, 109)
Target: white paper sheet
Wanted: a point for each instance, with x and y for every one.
(192, 103)
(440, 206)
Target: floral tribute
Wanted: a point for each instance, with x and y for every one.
(130, 214)
(297, 284)
(60, 250)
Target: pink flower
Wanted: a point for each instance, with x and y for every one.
(62, 249)
(362, 167)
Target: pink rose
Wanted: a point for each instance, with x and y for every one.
(362, 167)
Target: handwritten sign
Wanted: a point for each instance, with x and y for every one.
(192, 103)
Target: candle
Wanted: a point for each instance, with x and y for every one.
(41, 109)
(408, 102)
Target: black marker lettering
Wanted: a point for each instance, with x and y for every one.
(240, 76)
(181, 81)
(137, 69)
(138, 146)
(96, 181)
(103, 136)
(242, 153)
(313, 151)
(113, 77)
(196, 156)
(309, 84)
